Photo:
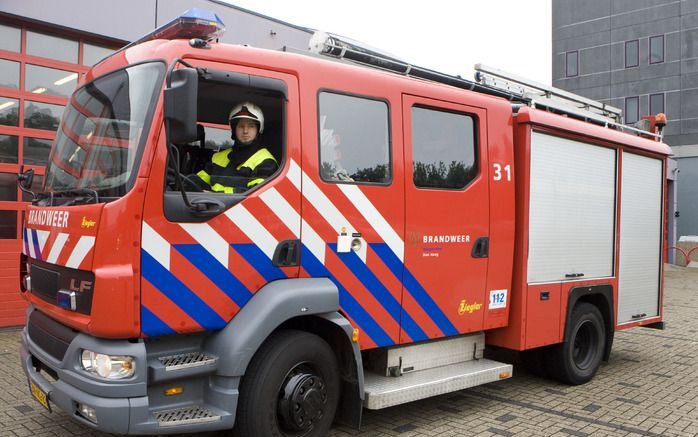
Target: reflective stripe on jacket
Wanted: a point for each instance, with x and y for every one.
(222, 159)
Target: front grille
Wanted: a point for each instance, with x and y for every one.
(44, 283)
(47, 279)
(52, 337)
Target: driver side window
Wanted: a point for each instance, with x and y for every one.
(240, 135)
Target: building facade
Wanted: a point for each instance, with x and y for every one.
(640, 56)
(44, 48)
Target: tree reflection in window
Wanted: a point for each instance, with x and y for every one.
(442, 176)
(42, 115)
(443, 149)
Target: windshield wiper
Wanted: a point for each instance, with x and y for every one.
(82, 195)
(91, 195)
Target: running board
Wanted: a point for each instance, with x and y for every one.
(185, 416)
(386, 391)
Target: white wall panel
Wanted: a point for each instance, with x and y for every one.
(640, 238)
(572, 209)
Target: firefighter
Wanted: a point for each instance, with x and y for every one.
(244, 165)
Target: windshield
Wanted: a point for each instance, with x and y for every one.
(102, 131)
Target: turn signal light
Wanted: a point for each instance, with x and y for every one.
(355, 336)
(504, 375)
(174, 391)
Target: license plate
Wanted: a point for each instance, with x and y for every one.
(40, 395)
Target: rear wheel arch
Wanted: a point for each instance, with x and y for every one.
(600, 296)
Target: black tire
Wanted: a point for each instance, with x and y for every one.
(578, 358)
(291, 388)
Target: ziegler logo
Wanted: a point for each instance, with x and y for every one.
(469, 308)
(86, 223)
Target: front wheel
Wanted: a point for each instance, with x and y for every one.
(291, 388)
(578, 358)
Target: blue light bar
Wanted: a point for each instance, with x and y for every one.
(194, 23)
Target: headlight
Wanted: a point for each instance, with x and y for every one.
(108, 366)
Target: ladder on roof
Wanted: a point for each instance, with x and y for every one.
(487, 80)
(547, 96)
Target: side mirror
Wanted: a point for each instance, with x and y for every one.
(180, 100)
(25, 178)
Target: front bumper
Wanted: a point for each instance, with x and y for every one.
(130, 406)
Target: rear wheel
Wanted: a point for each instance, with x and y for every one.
(578, 358)
(291, 388)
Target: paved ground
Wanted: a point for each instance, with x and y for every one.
(649, 388)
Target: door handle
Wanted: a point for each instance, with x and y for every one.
(481, 248)
(287, 254)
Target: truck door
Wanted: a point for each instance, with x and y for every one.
(352, 181)
(199, 269)
(447, 215)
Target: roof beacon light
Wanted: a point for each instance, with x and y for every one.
(194, 23)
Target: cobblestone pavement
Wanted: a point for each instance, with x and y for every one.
(648, 388)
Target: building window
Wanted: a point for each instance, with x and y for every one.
(53, 47)
(8, 224)
(39, 115)
(9, 111)
(443, 149)
(632, 53)
(571, 64)
(91, 54)
(36, 151)
(632, 110)
(40, 80)
(8, 187)
(656, 49)
(354, 139)
(10, 38)
(8, 149)
(656, 103)
(9, 74)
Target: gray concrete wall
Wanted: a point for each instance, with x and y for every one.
(127, 20)
(598, 30)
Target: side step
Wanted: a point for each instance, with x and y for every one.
(185, 416)
(187, 361)
(184, 365)
(385, 391)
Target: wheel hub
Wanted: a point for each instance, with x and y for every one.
(303, 401)
(583, 352)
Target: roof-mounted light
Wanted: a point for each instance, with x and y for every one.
(194, 23)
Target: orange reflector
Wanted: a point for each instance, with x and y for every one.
(355, 336)
(174, 391)
(503, 375)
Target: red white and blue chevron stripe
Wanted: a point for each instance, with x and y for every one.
(197, 276)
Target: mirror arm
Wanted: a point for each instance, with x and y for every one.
(168, 79)
(21, 177)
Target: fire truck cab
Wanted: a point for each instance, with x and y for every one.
(414, 219)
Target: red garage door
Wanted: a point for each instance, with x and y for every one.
(39, 69)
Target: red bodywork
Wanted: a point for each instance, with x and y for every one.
(457, 284)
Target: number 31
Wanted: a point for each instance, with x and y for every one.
(498, 171)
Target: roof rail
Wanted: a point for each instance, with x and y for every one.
(488, 81)
(548, 96)
(338, 47)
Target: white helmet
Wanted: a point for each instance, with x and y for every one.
(250, 111)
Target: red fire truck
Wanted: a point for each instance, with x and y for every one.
(415, 219)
